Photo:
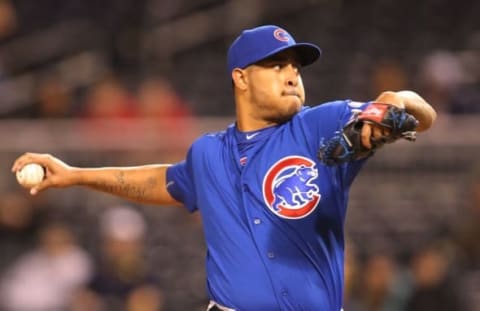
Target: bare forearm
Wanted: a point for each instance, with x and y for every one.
(143, 184)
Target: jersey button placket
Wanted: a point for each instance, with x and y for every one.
(257, 221)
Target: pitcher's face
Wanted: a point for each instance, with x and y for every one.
(275, 87)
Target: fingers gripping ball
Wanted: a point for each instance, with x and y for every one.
(30, 175)
(346, 145)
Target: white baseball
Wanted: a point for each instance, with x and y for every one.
(30, 175)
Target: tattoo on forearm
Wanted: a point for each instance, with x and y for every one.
(122, 187)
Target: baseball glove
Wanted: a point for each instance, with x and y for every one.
(346, 145)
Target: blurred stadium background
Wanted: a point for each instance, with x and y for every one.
(128, 82)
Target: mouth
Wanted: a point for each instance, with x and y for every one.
(290, 93)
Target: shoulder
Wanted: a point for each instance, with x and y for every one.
(331, 106)
(331, 110)
(208, 140)
(325, 119)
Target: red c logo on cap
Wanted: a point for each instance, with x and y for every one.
(281, 35)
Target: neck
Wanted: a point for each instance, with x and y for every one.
(247, 123)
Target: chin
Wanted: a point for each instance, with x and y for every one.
(286, 115)
(295, 105)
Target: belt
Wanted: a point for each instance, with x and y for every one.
(214, 306)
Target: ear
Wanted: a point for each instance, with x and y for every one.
(239, 78)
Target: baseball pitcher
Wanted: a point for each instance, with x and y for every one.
(273, 187)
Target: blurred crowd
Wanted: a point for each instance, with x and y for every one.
(440, 274)
(107, 98)
(50, 261)
(41, 78)
(154, 98)
(449, 80)
(133, 258)
(79, 59)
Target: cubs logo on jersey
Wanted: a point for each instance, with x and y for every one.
(288, 187)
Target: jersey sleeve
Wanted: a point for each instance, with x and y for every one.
(323, 121)
(180, 183)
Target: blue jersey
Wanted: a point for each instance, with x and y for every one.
(273, 214)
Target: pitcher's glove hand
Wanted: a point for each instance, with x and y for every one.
(383, 123)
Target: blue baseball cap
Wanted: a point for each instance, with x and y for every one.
(258, 43)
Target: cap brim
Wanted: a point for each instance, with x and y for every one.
(307, 53)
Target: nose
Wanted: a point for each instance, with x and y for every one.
(292, 75)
